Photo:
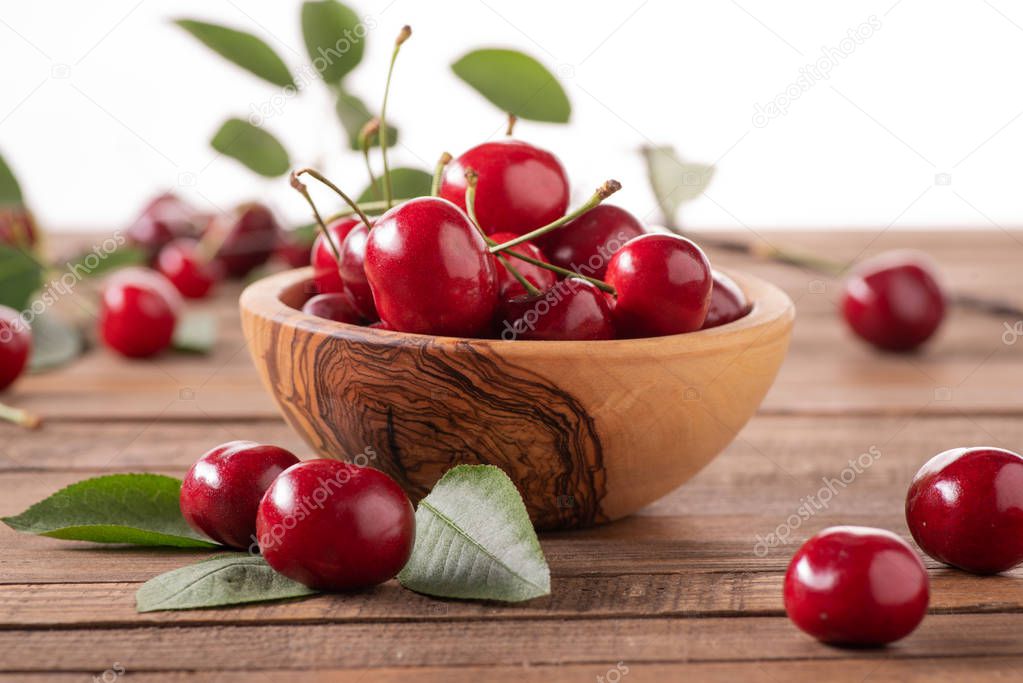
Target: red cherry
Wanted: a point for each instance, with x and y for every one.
(165, 218)
(894, 301)
(353, 271)
(325, 268)
(220, 494)
(293, 249)
(251, 238)
(138, 311)
(852, 585)
(332, 306)
(965, 508)
(430, 270)
(587, 244)
(180, 263)
(335, 526)
(663, 284)
(15, 346)
(17, 227)
(521, 187)
(571, 309)
(508, 287)
(727, 302)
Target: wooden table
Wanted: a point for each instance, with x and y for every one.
(678, 592)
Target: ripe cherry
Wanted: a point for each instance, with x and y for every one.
(325, 265)
(587, 244)
(570, 309)
(852, 585)
(521, 187)
(508, 286)
(353, 271)
(430, 270)
(220, 494)
(138, 311)
(17, 227)
(965, 508)
(332, 306)
(663, 284)
(727, 302)
(251, 238)
(163, 219)
(293, 248)
(194, 276)
(15, 346)
(335, 526)
(894, 301)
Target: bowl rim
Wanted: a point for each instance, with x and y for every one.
(771, 315)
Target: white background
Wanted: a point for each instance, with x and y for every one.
(103, 104)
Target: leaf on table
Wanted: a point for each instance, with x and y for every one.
(353, 114)
(406, 183)
(10, 190)
(254, 147)
(515, 83)
(196, 332)
(474, 540)
(21, 275)
(674, 181)
(54, 342)
(95, 263)
(233, 579)
(244, 49)
(335, 38)
(138, 509)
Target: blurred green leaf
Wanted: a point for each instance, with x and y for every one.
(673, 181)
(252, 146)
(195, 333)
(354, 114)
(54, 342)
(406, 182)
(242, 48)
(334, 38)
(515, 83)
(20, 276)
(10, 191)
(92, 264)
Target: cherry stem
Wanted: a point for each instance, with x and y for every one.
(512, 120)
(438, 174)
(304, 191)
(403, 35)
(600, 284)
(20, 417)
(602, 193)
(371, 128)
(369, 207)
(348, 200)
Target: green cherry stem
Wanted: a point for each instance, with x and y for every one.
(403, 35)
(20, 417)
(371, 128)
(438, 174)
(304, 191)
(348, 200)
(374, 208)
(602, 193)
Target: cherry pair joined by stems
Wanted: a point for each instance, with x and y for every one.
(139, 310)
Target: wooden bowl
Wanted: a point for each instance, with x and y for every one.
(589, 431)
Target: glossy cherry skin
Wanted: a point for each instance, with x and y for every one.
(587, 244)
(663, 285)
(221, 492)
(139, 309)
(852, 585)
(965, 508)
(15, 346)
(17, 226)
(727, 302)
(430, 270)
(194, 277)
(332, 306)
(520, 188)
(894, 301)
(325, 264)
(541, 278)
(163, 219)
(251, 238)
(335, 526)
(353, 271)
(571, 309)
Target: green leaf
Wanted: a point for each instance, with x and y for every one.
(353, 114)
(335, 38)
(95, 263)
(407, 183)
(54, 342)
(195, 333)
(515, 83)
(673, 181)
(215, 582)
(474, 540)
(140, 509)
(254, 147)
(10, 190)
(242, 48)
(20, 276)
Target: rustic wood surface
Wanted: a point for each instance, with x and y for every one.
(680, 591)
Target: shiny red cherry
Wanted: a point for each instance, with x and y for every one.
(587, 243)
(163, 219)
(138, 311)
(852, 585)
(221, 492)
(353, 271)
(727, 302)
(251, 238)
(335, 526)
(894, 301)
(521, 187)
(663, 285)
(325, 265)
(965, 508)
(17, 226)
(430, 270)
(508, 287)
(332, 306)
(15, 346)
(571, 309)
(193, 275)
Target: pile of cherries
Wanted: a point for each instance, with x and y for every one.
(863, 586)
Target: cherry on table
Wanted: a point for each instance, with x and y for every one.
(193, 275)
(221, 492)
(509, 287)
(352, 268)
(965, 508)
(335, 526)
(851, 585)
(15, 346)
(727, 302)
(165, 218)
(138, 312)
(251, 231)
(293, 249)
(324, 262)
(572, 309)
(588, 243)
(332, 306)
